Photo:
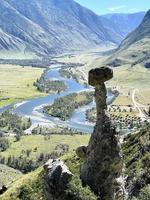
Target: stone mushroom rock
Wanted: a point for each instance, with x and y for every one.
(103, 163)
(97, 78)
(99, 75)
(57, 176)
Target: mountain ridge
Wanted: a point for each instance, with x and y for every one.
(53, 27)
(125, 22)
(134, 49)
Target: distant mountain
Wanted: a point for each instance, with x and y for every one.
(135, 48)
(140, 33)
(53, 27)
(123, 24)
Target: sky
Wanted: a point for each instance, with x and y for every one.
(115, 6)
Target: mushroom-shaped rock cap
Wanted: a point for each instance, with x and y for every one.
(100, 75)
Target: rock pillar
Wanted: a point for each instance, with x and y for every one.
(103, 164)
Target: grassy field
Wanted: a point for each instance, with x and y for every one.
(123, 100)
(126, 77)
(37, 144)
(16, 83)
(137, 76)
(8, 174)
(42, 145)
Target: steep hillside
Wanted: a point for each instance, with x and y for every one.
(141, 32)
(136, 149)
(50, 27)
(8, 175)
(54, 26)
(16, 25)
(32, 185)
(135, 47)
(8, 42)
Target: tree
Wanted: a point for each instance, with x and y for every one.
(28, 152)
(4, 144)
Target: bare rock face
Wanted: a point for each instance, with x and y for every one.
(57, 177)
(103, 164)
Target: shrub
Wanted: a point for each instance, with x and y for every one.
(145, 193)
(4, 144)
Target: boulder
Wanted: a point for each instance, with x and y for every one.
(81, 151)
(57, 176)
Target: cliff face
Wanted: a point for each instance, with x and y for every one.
(103, 164)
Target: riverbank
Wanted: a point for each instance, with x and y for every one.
(33, 108)
(64, 107)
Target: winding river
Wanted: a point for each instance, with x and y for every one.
(34, 108)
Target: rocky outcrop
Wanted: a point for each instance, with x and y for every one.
(56, 178)
(102, 166)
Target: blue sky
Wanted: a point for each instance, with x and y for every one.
(116, 6)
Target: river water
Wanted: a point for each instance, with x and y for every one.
(34, 108)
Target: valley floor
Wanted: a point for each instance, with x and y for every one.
(126, 78)
(16, 83)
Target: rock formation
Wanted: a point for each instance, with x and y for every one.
(81, 151)
(103, 164)
(56, 178)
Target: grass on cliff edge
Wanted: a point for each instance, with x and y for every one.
(31, 185)
(8, 175)
(16, 83)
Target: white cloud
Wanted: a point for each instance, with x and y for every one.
(116, 8)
